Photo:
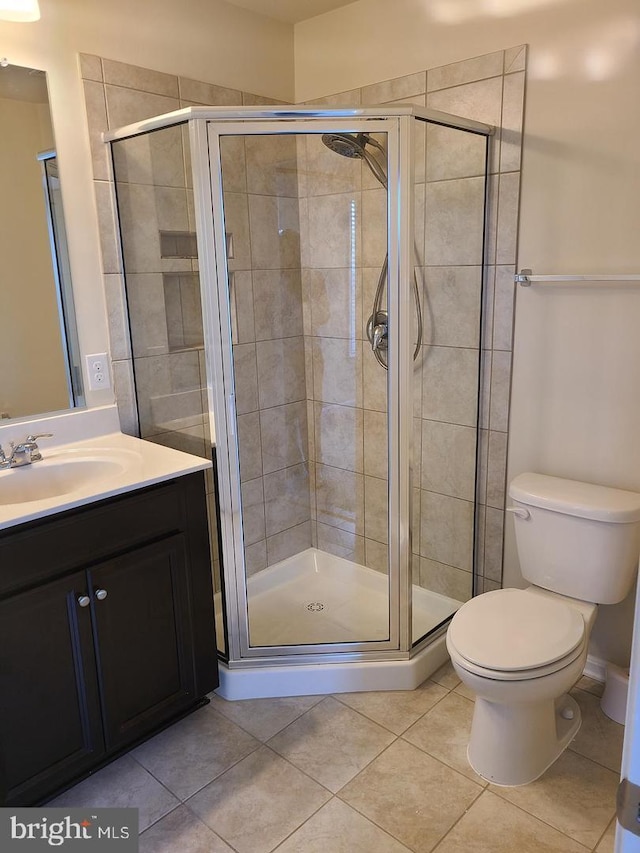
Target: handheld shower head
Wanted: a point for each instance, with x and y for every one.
(354, 148)
(346, 144)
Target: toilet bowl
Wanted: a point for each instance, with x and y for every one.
(522, 650)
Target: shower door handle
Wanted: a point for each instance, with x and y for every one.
(231, 409)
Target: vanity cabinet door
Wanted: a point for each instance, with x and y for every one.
(144, 638)
(50, 726)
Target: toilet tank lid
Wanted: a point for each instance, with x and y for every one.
(585, 500)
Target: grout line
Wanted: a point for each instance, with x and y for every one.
(217, 835)
(162, 817)
(480, 792)
(593, 760)
(299, 769)
(538, 818)
(306, 820)
(202, 787)
(319, 697)
(464, 814)
(599, 841)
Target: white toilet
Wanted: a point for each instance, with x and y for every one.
(521, 651)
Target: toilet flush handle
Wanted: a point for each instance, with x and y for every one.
(520, 511)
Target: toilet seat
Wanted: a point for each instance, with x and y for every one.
(513, 675)
(514, 634)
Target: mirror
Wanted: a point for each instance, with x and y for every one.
(39, 354)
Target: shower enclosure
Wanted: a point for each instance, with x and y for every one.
(304, 290)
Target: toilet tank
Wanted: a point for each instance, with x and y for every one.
(577, 539)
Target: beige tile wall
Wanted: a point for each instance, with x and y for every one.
(339, 406)
(165, 337)
(344, 217)
(490, 89)
(259, 178)
(347, 388)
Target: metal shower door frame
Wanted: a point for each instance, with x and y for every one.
(208, 196)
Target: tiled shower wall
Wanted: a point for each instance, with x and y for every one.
(490, 89)
(156, 207)
(343, 218)
(260, 183)
(348, 388)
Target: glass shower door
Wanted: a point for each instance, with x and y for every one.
(302, 238)
(449, 441)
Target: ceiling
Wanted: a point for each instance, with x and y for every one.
(23, 84)
(290, 11)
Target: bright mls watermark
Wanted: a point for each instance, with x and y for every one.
(38, 829)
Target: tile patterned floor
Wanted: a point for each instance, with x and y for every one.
(357, 773)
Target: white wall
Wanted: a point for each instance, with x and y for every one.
(575, 408)
(202, 39)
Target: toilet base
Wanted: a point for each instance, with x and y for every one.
(514, 745)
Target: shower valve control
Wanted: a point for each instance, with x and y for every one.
(98, 371)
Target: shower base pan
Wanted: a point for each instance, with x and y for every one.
(317, 598)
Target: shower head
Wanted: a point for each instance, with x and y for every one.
(346, 145)
(354, 147)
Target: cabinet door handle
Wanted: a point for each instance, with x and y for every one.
(84, 600)
(101, 594)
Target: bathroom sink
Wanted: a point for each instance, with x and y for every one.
(60, 474)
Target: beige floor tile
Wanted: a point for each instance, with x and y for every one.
(608, 840)
(264, 718)
(444, 733)
(465, 691)
(180, 830)
(590, 685)
(446, 676)
(259, 802)
(123, 785)
(411, 795)
(575, 795)
(492, 825)
(396, 710)
(599, 738)
(337, 828)
(191, 753)
(331, 743)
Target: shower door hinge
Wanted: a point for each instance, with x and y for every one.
(628, 806)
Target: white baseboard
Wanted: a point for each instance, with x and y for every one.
(596, 668)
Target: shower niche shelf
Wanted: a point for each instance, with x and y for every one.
(178, 244)
(183, 310)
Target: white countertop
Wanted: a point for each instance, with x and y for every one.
(123, 463)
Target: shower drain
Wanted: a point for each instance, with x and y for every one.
(315, 606)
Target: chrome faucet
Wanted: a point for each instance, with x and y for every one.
(24, 453)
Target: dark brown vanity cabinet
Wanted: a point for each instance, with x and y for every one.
(49, 707)
(106, 632)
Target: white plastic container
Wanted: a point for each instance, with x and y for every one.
(614, 698)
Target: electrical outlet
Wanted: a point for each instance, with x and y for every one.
(98, 371)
